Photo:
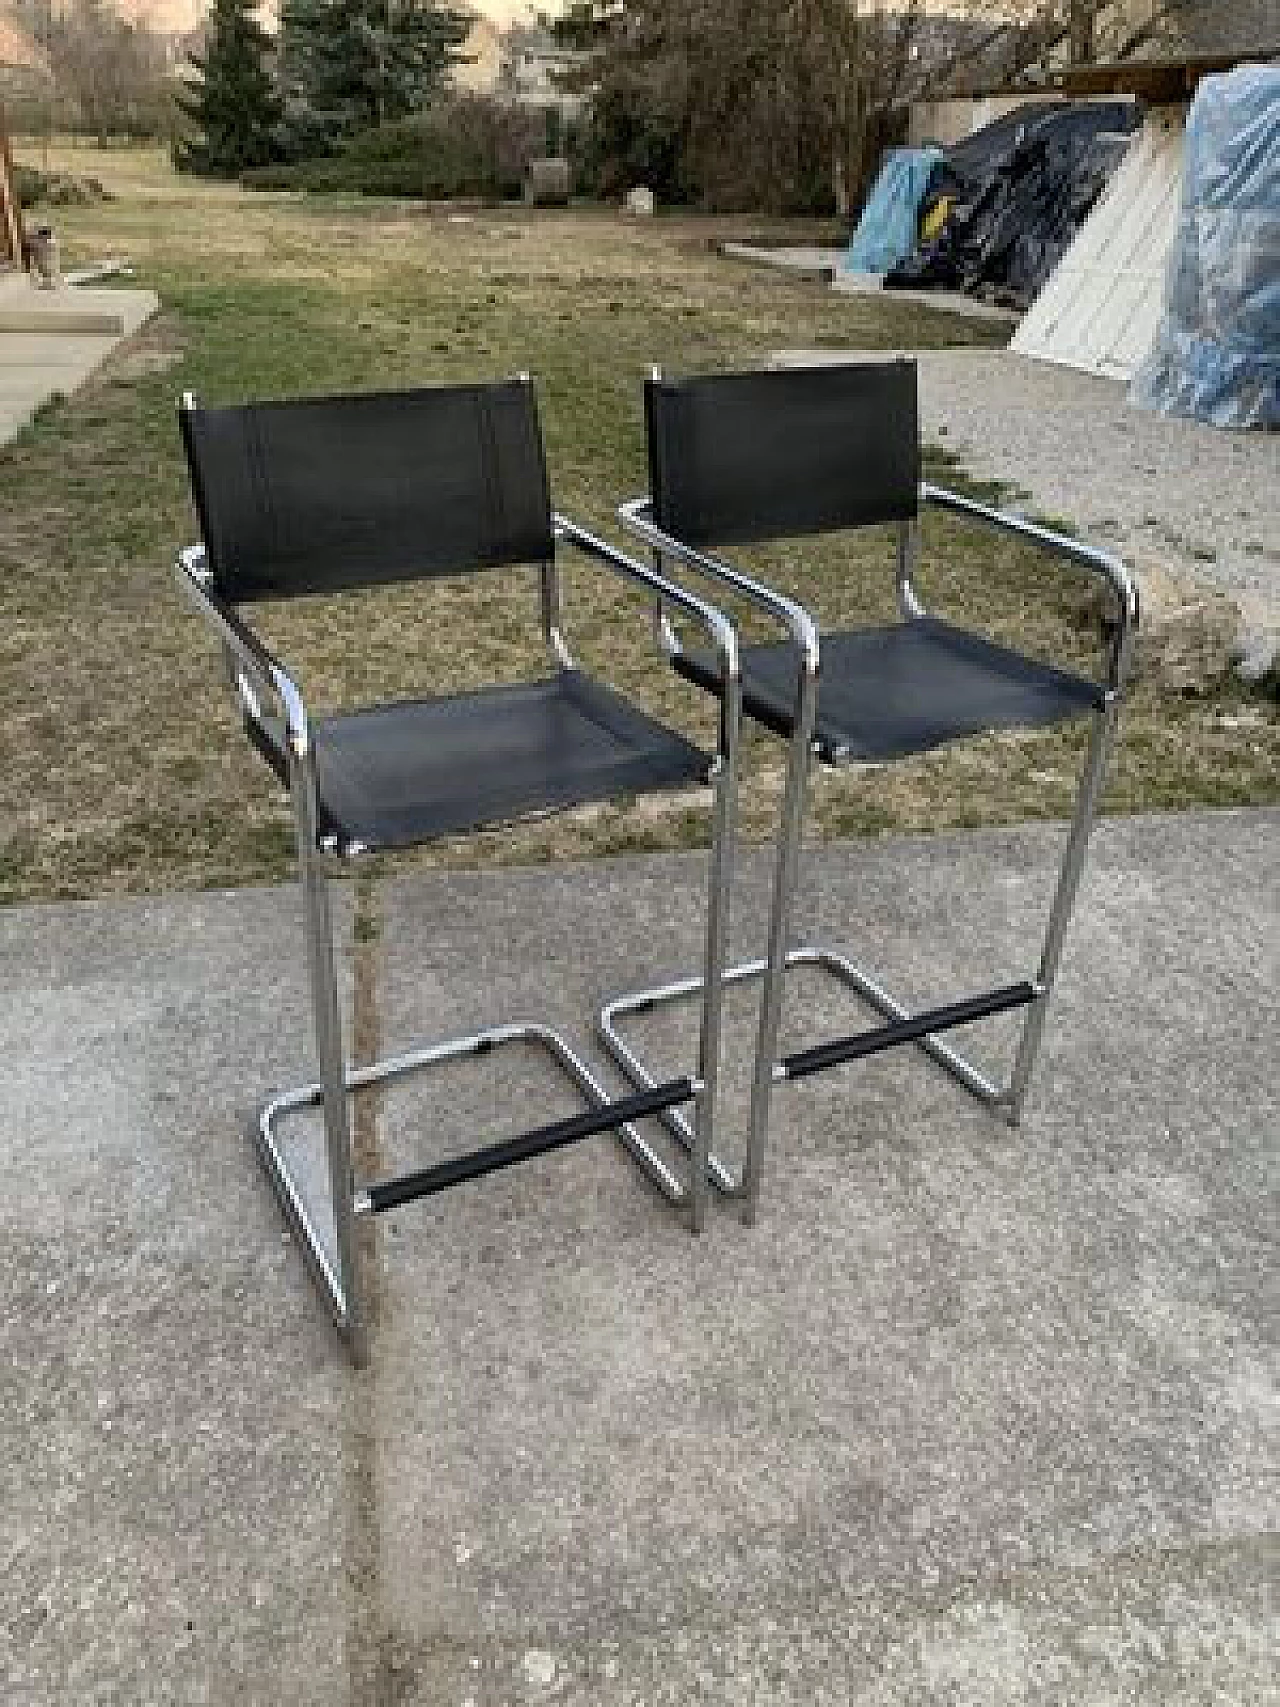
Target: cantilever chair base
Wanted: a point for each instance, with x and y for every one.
(903, 1026)
(855, 978)
(602, 1115)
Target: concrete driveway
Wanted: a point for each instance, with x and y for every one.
(52, 341)
(972, 1416)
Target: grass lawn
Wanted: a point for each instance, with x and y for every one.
(122, 764)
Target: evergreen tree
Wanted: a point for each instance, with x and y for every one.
(233, 106)
(350, 65)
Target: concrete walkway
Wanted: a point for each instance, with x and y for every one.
(51, 341)
(971, 1417)
(828, 267)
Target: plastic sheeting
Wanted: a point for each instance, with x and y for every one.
(1101, 309)
(890, 223)
(1024, 186)
(1217, 354)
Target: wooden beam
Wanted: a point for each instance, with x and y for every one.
(13, 245)
(1158, 82)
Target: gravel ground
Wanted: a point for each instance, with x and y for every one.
(1190, 498)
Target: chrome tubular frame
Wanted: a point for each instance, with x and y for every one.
(1125, 597)
(801, 631)
(705, 1164)
(257, 676)
(1102, 564)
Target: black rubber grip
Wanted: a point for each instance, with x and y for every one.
(427, 1182)
(824, 1055)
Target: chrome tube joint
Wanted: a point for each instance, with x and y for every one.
(1104, 564)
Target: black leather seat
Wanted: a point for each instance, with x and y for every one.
(888, 692)
(394, 775)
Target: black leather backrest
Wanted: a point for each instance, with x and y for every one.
(756, 456)
(326, 494)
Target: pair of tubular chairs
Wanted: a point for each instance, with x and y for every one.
(330, 495)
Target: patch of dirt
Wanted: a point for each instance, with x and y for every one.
(158, 347)
(1187, 636)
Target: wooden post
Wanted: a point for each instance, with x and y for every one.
(13, 246)
(1082, 30)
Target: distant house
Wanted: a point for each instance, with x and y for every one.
(532, 68)
(962, 50)
(24, 69)
(171, 17)
(481, 65)
(523, 63)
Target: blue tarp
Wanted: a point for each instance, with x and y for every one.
(889, 228)
(1216, 357)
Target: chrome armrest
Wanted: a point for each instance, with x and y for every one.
(1103, 564)
(637, 518)
(249, 657)
(721, 631)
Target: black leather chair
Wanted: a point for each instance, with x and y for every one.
(741, 458)
(336, 495)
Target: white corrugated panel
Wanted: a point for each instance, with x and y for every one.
(1101, 307)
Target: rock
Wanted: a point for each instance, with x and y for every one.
(548, 182)
(1256, 654)
(640, 203)
(1187, 632)
(43, 258)
(540, 1668)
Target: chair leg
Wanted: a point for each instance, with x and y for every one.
(773, 968)
(346, 1296)
(1101, 741)
(337, 1273)
(785, 876)
(860, 981)
(603, 1114)
(706, 1165)
(337, 1114)
(720, 889)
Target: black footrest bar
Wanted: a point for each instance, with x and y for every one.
(824, 1055)
(426, 1182)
